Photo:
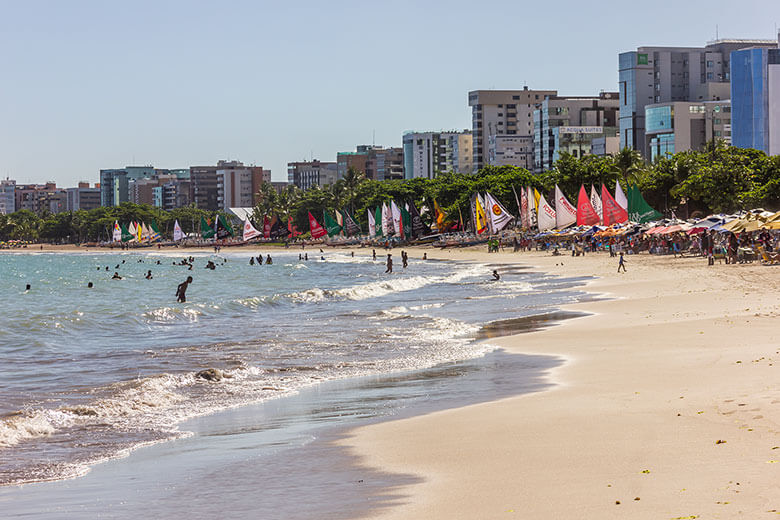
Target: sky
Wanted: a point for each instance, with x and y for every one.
(86, 85)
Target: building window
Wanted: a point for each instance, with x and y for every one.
(709, 75)
(709, 64)
(515, 97)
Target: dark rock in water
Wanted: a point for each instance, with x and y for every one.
(210, 374)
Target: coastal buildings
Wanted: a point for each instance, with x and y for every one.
(755, 98)
(306, 174)
(356, 160)
(427, 153)
(385, 164)
(652, 75)
(511, 150)
(684, 125)
(114, 183)
(7, 196)
(569, 124)
(82, 197)
(40, 198)
(238, 185)
(500, 113)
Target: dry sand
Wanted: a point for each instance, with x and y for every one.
(683, 357)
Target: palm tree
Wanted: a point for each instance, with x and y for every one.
(352, 181)
(629, 164)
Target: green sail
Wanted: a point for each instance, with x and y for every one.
(406, 219)
(378, 221)
(638, 209)
(331, 225)
(126, 236)
(205, 230)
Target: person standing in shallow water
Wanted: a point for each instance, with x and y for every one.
(181, 291)
(389, 263)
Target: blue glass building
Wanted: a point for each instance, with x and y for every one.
(755, 74)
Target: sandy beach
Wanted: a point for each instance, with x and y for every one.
(667, 406)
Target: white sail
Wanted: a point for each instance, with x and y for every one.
(387, 220)
(250, 231)
(595, 201)
(178, 234)
(498, 216)
(565, 213)
(532, 220)
(620, 197)
(146, 234)
(545, 215)
(371, 224)
(397, 221)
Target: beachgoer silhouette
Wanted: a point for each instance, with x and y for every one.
(404, 259)
(89, 285)
(148, 274)
(425, 256)
(389, 263)
(116, 276)
(306, 256)
(373, 252)
(28, 287)
(181, 290)
(268, 260)
(496, 276)
(251, 260)
(621, 264)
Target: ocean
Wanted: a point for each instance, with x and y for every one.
(92, 374)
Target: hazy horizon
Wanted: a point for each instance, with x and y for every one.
(91, 85)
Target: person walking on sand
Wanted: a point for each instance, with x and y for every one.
(389, 264)
(181, 290)
(621, 263)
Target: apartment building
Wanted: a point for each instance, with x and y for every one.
(82, 197)
(683, 125)
(306, 174)
(237, 186)
(500, 113)
(7, 196)
(426, 154)
(569, 124)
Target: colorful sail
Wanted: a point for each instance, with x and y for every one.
(154, 232)
(545, 215)
(440, 217)
(525, 222)
(498, 216)
(565, 213)
(205, 228)
(250, 231)
(387, 220)
(221, 229)
(406, 223)
(266, 227)
(532, 220)
(317, 231)
(117, 233)
(378, 221)
(595, 201)
(612, 212)
(178, 234)
(586, 214)
(331, 225)
(292, 228)
(620, 197)
(638, 209)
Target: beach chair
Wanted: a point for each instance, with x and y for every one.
(768, 258)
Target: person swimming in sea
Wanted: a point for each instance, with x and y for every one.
(89, 285)
(251, 260)
(181, 290)
(148, 275)
(211, 265)
(268, 260)
(116, 276)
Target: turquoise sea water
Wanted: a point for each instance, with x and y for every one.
(91, 373)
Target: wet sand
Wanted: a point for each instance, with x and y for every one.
(667, 406)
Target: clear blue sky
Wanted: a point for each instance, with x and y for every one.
(86, 85)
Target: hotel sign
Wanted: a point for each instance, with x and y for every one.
(641, 59)
(580, 130)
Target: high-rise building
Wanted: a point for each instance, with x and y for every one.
(499, 113)
(569, 124)
(40, 198)
(306, 174)
(115, 183)
(83, 197)
(428, 153)
(511, 150)
(7, 196)
(651, 75)
(385, 164)
(356, 160)
(205, 182)
(238, 186)
(684, 125)
(755, 98)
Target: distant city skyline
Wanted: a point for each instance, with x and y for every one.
(90, 85)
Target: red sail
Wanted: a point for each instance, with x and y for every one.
(317, 231)
(586, 215)
(266, 227)
(613, 213)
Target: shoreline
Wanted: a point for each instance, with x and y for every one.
(674, 337)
